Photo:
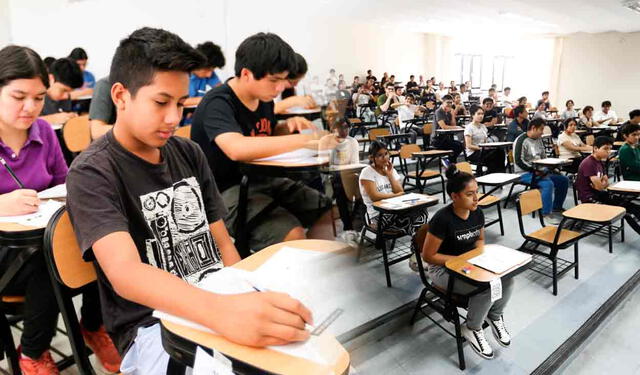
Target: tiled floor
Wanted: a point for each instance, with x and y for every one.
(538, 321)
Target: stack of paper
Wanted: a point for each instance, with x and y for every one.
(37, 219)
(499, 259)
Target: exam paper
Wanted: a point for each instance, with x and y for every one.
(627, 185)
(58, 191)
(37, 219)
(499, 259)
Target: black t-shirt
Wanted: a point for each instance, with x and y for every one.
(489, 116)
(55, 106)
(458, 236)
(166, 208)
(411, 85)
(441, 114)
(220, 111)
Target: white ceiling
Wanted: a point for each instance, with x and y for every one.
(455, 17)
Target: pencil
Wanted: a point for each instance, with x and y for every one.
(15, 178)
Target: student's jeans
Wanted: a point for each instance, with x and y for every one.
(547, 185)
(480, 306)
(40, 315)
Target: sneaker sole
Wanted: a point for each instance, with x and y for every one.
(477, 350)
(495, 335)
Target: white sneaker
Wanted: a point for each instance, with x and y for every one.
(551, 219)
(478, 342)
(500, 331)
(413, 263)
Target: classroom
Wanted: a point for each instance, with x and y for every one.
(323, 187)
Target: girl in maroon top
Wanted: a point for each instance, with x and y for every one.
(30, 147)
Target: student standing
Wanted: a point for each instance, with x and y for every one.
(528, 147)
(30, 148)
(143, 203)
(629, 153)
(454, 230)
(235, 123)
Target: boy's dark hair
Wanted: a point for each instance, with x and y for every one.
(21, 63)
(447, 97)
(375, 147)
(522, 98)
(567, 122)
(213, 53)
(545, 93)
(506, 88)
(147, 51)
(567, 103)
(606, 103)
(634, 113)
(586, 109)
(48, 61)
(487, 100)
(629, 128)
(602, 140)
(456, 179)
(412, 76)
(67, 72)
(264, 53)
(492, 89)
(78, 54)
(369, 71)
(301, 68)
(518, 110)
(475, 108)
(463, 85)
(536, 123)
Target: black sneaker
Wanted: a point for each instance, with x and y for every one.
(478, 342)
(500, 331)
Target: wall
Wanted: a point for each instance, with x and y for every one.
(597, 67)
(325, 39)
(5, 28)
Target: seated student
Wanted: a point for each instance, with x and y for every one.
(592, 181)
(370, 76)
(355, 84)
(290, 97)
(204, 78)
(444, 119)
(441, 92)
(634, 118)
(139, 197)
(429, 93)
(541, 111)
(421, 81)
(235, 123)
(476, 133)
(458, 107)
(569, 112)
(606, 116)
(48, 61)
(30, 147)
(384, 79)
(380, 180)
(102, 111)
(545, 100)
(388, 100)
(490, 114)
(570, 145)
(64, 76)
(407, 111)
(464, 93)
(505, 99)
(519, 124)
(80, 57)
(342, 93)
(454, 230)
(491, 94)
(586, 118)
(629, 153)
(412, 85)
(553, 187)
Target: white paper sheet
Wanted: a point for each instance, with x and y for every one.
(58, 191)
(627, 185)
(496, 289)
(302, 111)
(37, 219)
(216, 364)
(498, 259)
(302, 155)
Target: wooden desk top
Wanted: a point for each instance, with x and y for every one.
(265, 358)
(431, 153)
(634, 188)
(345, 167)
(476, 273)
(14, 227)
(497, 178)
(598, 213)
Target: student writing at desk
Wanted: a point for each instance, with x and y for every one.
(142, 203)
(592, 182)
(629, 153)
(204, 78)
(476, 133)
(64, 76)
(235, 123)
(378, 181)
(634, 118)
(79, 55)
(290, 97)
(454, 230)
(30, 148)
(528, 148)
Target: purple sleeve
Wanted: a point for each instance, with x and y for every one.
(590, 169)
(56, 164)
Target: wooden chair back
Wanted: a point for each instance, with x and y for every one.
(464, 166)
(77, 133)
(351, 185)
(427, 129)
(530, 201)
(183, 131)
(590, 139)
(406, 151)
(376, 132)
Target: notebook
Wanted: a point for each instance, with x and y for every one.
(499, 259)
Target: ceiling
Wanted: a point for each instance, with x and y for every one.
(455, 17)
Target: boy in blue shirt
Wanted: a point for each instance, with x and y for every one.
(205, 78)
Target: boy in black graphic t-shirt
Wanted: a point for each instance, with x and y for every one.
(146, 210)
(235, 123)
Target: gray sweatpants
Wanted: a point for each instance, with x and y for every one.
(480, 305)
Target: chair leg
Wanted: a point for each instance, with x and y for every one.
(444, 190)
(385, 258)
(554, 266)
(575, 259)
(610, 239)
(361, 245)
(506, 202)
(459, 339)
(622, 230)
(500, 219)
(9, 345)
(415, 311)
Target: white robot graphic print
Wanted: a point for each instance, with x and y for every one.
(182, 243)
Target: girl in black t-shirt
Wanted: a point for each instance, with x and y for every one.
(454, 230)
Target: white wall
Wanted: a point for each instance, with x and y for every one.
(325, 40)
(597, 67)
(5, 28)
